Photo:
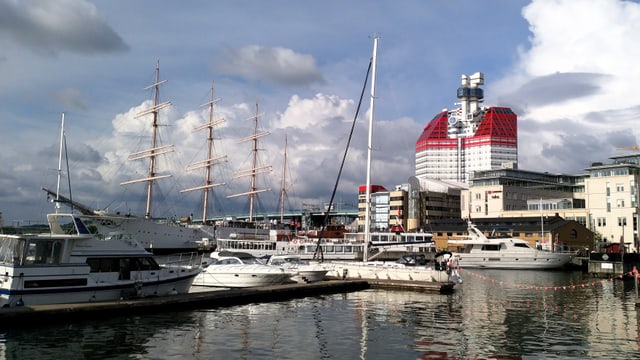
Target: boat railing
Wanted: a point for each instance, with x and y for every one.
(184, 260)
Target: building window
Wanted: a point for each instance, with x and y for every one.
(602, 221)
(619, 187)
(620, 203)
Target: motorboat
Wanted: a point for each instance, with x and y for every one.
(306, 271)
(239, 270)
(480, 251)
(439, 267)
(70, 265)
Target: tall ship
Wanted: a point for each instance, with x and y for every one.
(158, 235)
(165, 236)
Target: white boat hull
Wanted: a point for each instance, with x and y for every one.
(539, 261)
(241, 276)
(308, 276)
(386, 271)
(38, 285)
(158, 237)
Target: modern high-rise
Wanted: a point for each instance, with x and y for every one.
(469, 138)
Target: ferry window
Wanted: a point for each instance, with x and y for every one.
(338, 249)
(348, 249)
(491, 247)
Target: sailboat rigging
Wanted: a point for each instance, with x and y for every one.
(155, 150)
(210, 161)
(318, 254)
(254, 170)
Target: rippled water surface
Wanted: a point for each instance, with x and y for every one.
(494, 314)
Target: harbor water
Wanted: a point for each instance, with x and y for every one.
(492, 315)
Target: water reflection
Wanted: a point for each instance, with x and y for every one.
(494, 314)
(106, 339)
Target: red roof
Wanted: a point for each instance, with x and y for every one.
(499, 126)
(372, 189)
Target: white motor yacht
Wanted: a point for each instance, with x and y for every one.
(306, 271)
(239, 270)
(480, 251)
(70, 265)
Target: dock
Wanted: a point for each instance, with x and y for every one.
(198, 298)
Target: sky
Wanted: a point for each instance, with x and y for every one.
(567, 68)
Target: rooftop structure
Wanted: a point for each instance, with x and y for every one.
(469, 138)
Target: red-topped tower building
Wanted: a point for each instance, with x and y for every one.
(470, 138)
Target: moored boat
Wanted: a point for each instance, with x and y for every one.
(238, 270)
(480, 251)
(441, 269)
(71, 265)
(306, 271)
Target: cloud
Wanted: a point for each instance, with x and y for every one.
(71, 99)
(277, 65)
(571, 89)
(49, 27)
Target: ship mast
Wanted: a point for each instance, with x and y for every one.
(367, 218)
(254, 170)
(210, 161)
(57, 200)
(154, 151)
(283, 190)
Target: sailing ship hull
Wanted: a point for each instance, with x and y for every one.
(157, 236)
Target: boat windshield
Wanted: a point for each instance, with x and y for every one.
(12, 250)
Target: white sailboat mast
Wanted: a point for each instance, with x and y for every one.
(154, 151)
(254, 170)
(210, 161)
(367, 218)
(60, 164)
